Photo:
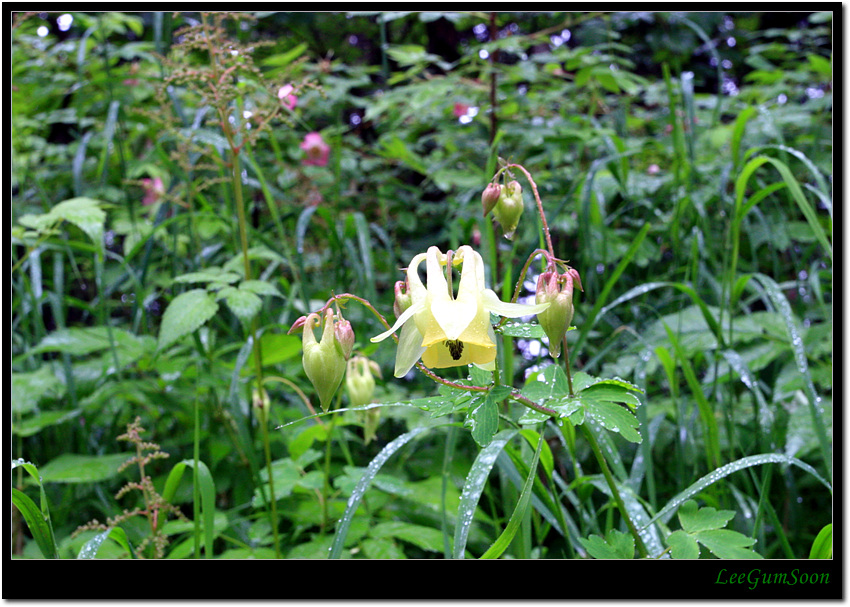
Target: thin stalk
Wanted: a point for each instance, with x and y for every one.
(196, 486)
(236, 179)
(566, 349)
(326, 485)
(273, 500)
(609, 478)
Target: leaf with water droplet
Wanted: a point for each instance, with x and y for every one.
(363, 484)
(522, 330)
(723, 471)
(89, 550)
(473, 486)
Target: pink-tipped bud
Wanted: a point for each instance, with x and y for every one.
(297, 325)
(402, 297)
(490, 196)
(324, 361)
(557, 289)
(344, 334)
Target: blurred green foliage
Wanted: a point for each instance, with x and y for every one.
(707, 269)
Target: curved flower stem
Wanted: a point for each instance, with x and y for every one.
(299, 392)
(536, 199)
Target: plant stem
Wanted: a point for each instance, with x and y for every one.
(539, 206)
(566, 349)
(612, 484)
(273, 500)
(236, 180)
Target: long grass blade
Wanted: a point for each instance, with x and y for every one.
(474, 485)
(363, 485)
(507, 535)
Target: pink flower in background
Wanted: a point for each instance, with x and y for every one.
(460, 109)
(154, 189)
(286, 97)
(315, 149)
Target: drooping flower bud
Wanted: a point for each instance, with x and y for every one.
(324, 361)
(359, 383)
(509, 208)
(344, 335)
(557, 289)
(403, 298)
(360, 386)
(490, 196)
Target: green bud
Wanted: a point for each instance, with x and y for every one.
(359, 383)
(360, 386)
(509, 208)
(324, 361)
(557, 289)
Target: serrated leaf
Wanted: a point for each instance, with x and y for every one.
(583, 381)
(484, 418)
(567, 407)
(682, 545)
(727, 544)
(244, 304)
(613, 417)
(694, 519)
(186, 313)
(613, 393)
(615, 545)
(551, 383)
(438, 406)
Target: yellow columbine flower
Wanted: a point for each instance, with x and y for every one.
(448, 330)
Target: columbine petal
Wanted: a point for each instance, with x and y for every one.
(452, 315)
(409, 350)
(493, 304)
(405, 316)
